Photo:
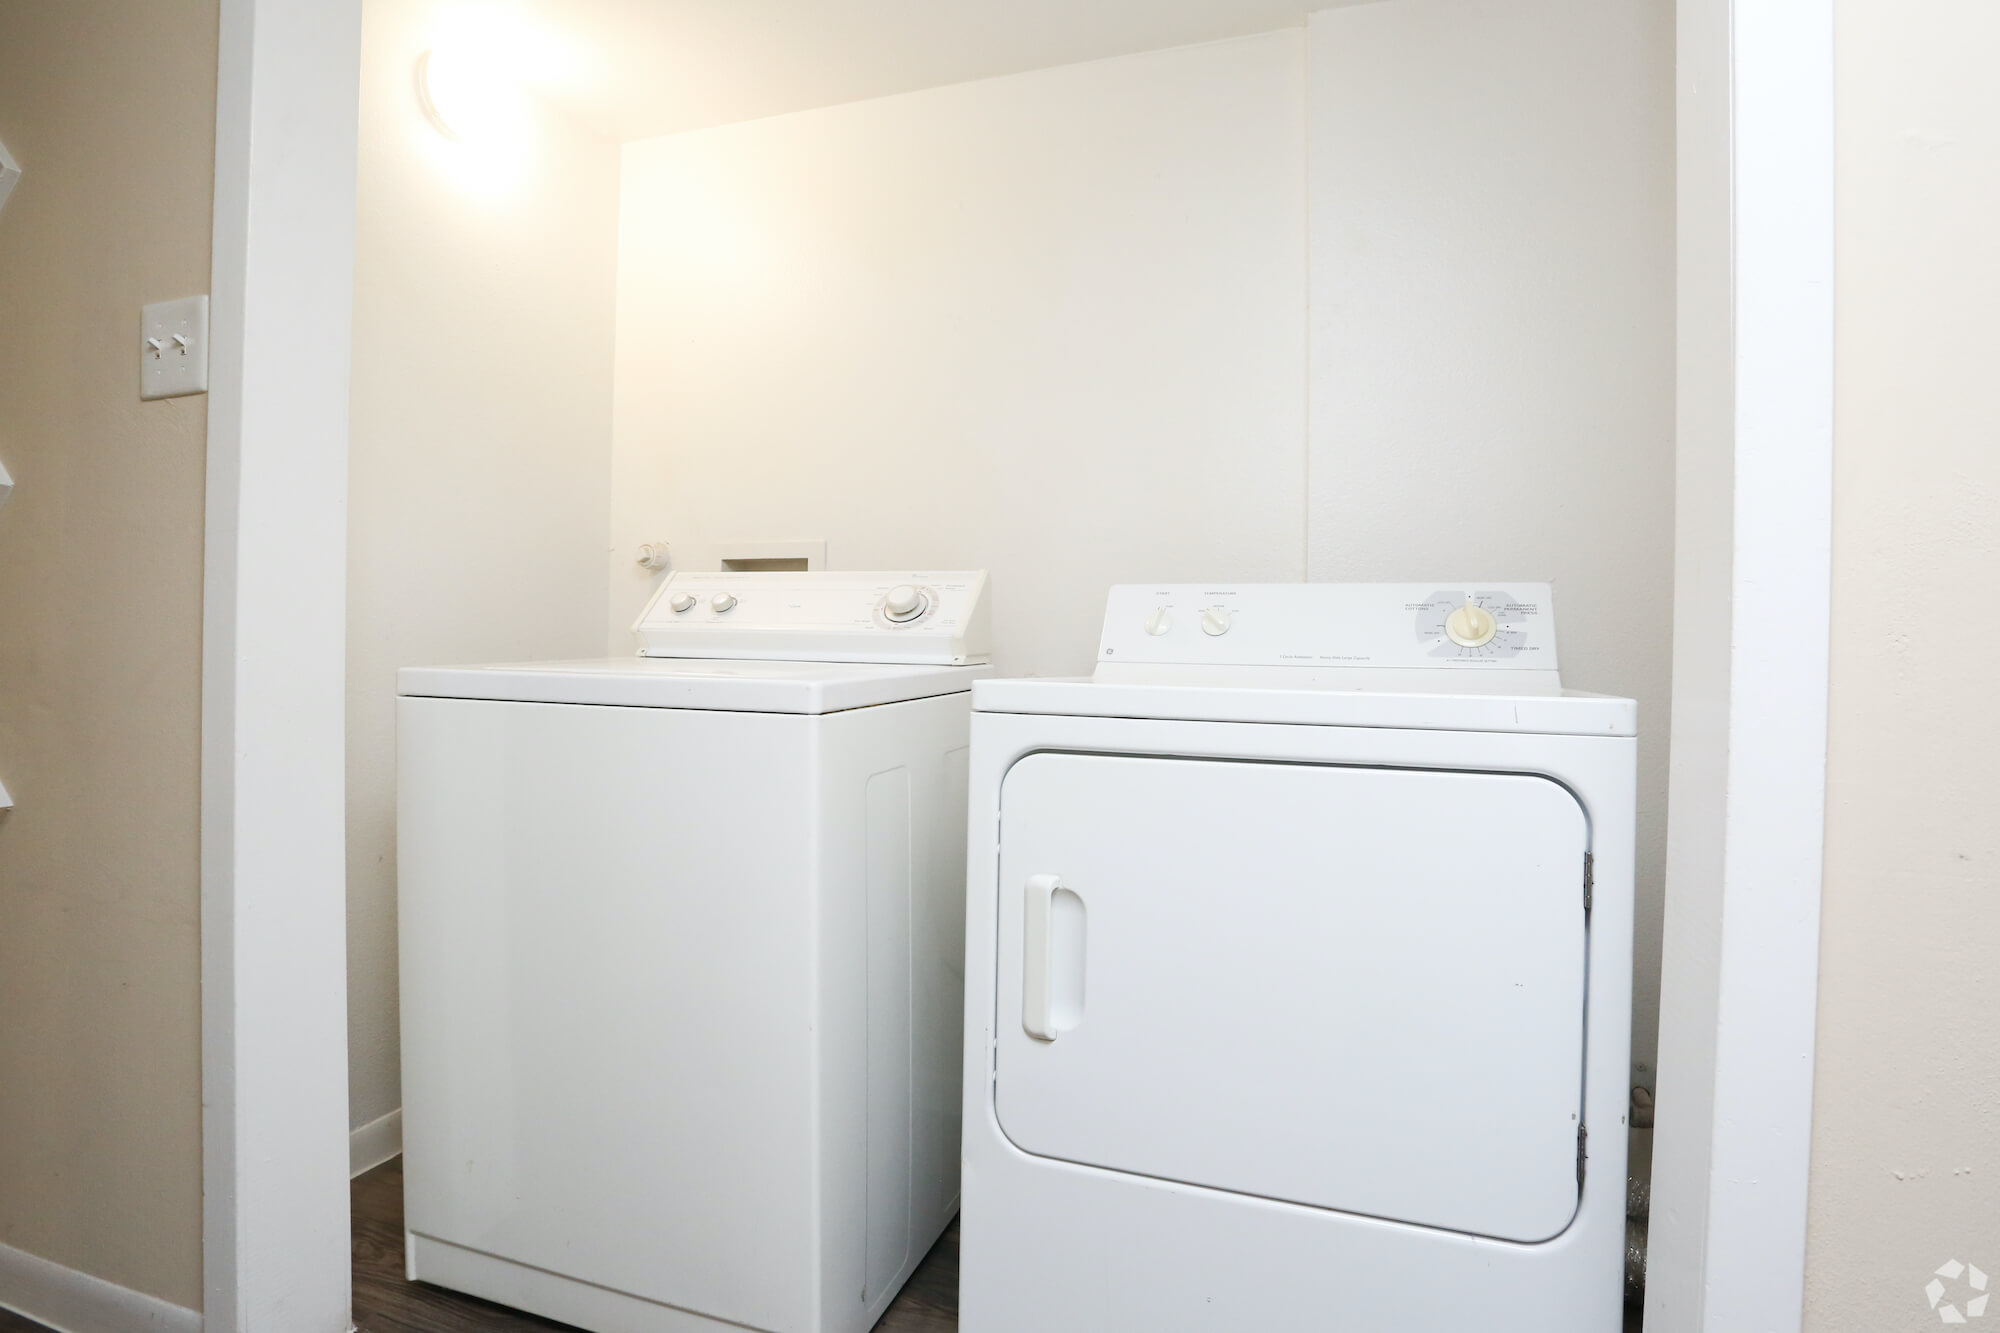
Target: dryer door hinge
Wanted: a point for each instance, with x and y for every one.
(1582, 1135)
(1589, 881)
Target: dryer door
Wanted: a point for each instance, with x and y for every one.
(1350, 988)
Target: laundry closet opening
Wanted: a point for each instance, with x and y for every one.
(1250, 291)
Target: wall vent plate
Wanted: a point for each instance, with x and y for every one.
(770, 557)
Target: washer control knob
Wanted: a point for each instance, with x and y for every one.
(905, 602)
(1471, 625)
(721, 602)
(681, 601)
(1159, 620)
(1215, 620)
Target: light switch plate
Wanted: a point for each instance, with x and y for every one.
(173, 348)
(6, 485)
(10, 172)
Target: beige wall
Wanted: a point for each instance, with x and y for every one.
(110, 110)
(1052, 325)
(480, 454)
(1906, 1136)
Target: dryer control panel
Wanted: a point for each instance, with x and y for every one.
(916, 616)
(1394, 626)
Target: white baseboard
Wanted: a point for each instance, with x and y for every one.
(375, 1142)
(73, 1302)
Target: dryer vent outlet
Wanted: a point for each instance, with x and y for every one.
(766, 564)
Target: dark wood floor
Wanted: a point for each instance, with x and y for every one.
(386, 1302)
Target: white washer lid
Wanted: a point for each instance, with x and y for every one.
(1449, 707)
(717, 684)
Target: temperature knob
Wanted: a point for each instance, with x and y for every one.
(1159, 620)
(905, 603)
(1215, 620)
(721, 602)
(681, 601)
(1470, 626)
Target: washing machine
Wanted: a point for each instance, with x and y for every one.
(1298, 969)
(681, 948)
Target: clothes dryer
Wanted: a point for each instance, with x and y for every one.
(1298, 972)
(681, 957)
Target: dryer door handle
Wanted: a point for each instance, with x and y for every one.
(1051, 958)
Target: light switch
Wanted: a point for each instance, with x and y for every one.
(173, 348)
(10, 172)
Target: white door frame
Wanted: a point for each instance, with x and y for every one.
(1752, 585)
(275, 1240)
(1753, 565)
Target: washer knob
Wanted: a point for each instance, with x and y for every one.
(681, 601)
(721, 602)
(1471, 626)
(1215, 620)
(905, 602)
(1159, 620)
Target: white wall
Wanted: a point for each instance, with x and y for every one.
(1492, 334)
(1051, 324)
(481, 445)
(1906, 1133)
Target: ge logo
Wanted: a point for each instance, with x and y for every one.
(1947, 1310)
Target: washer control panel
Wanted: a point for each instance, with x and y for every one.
(1477, 626)
(909, 616)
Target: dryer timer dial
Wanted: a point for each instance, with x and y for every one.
(1471, 625)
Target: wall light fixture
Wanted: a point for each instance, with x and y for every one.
(463, 96)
